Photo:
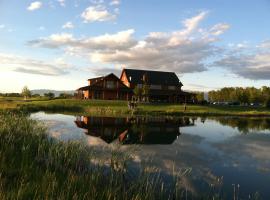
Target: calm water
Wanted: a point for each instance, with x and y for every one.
(230, 156)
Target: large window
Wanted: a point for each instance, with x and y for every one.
(139, 85)
(172, 87)
(155, 87)
(110, 84)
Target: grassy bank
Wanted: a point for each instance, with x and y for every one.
(100, 107)
(32, 166)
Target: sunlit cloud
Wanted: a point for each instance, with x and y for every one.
(68, 25)
(34, 6)
(182, 51)
(97, 14)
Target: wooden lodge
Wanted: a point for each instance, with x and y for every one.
(162, 86)
(108, 87)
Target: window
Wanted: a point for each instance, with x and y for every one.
(110, 84)
(172, 87)
(97, 95)
(139, 85)
(155, 87)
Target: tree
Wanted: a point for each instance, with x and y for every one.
(137, 92)
(145, 92)
(200, 97)
(50, 95)
(26, 92)
(65, 95)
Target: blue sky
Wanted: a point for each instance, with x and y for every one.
(59, 44)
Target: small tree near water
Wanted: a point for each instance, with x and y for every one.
(26, 93)
(137, 93)
(145, 93)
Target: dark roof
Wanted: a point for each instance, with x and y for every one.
(135, 76)
(96, 78)
(168, 92)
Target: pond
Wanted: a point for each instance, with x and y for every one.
(225, 155)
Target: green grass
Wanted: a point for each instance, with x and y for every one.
(33, 166)
(101, 107)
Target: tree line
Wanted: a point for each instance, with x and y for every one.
(27, 93)
(248, 95)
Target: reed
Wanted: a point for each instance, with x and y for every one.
(35, 166)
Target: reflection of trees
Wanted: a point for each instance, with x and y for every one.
(244, 125)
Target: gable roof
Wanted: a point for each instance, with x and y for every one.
(98, 79)
(135, 76)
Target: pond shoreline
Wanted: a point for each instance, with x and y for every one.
(116, 108)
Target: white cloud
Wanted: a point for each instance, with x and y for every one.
(115, 2)
(192, 23)
(54, 41)
(219, 29)
(62, 3)
(32, 66)
(120, 40)
(2, 26)
(68, 25)
(34, 5)
(97, 13)
(182, 51)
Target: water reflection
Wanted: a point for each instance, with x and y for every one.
(217, 149)
(134, 130)
(245, 125)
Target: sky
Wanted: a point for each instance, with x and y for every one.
(59, 44)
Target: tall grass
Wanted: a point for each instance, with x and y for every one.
(34, 166)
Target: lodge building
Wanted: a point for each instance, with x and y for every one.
(162, 86)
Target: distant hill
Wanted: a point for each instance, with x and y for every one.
(56, 92)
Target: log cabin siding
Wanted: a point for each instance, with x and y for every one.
(163, 86)
(109, 87)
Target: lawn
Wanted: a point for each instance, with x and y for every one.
(102, 107)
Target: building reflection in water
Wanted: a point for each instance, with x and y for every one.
(134, 130)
